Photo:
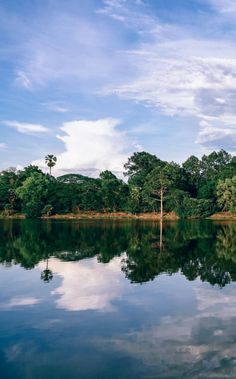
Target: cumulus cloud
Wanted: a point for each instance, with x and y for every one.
(91, 147)
(26, 128)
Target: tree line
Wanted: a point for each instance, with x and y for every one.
(197, 188)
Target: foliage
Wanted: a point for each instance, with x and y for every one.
(196, 189)
(34, 193)
(191, 207)
(226, 192)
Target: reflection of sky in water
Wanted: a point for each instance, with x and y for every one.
(90, 322)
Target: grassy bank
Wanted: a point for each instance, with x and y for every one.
(172, 216)
(226, 216)
(113, 215)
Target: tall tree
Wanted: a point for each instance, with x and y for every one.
(50, 160)
(160, 181)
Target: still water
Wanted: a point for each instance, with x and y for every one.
(107, 300)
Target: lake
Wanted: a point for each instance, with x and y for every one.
(109, 300)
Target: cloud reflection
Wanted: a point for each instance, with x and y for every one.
(87, 285)
(196, 344)
(19, 302)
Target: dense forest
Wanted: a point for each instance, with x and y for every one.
(197, 188)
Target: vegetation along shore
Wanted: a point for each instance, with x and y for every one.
(154, 189)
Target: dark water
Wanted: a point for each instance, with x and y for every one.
(111, 300)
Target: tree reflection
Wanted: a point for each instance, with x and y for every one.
(197, 249)
(46, 275)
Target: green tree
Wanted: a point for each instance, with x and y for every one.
(139, 165)
(9, 200)
(114, 192)
(160, 181)
(213, 163)
(226, 194)
(34, 193)
(192, 170)
(135, 199)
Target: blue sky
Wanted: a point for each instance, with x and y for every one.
(93, 81)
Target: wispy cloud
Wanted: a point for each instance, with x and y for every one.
(134, 14)
(74, 50)
(23, 80)
(194, 76)
(214, 138)
(26, 128)
(3, 145)
(56, 107)
(142, 52)
(226, 7)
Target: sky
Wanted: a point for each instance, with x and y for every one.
(93, 81)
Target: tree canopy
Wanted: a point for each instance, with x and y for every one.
(197, 188)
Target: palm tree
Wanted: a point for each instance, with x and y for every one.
(50, 160)
(47, 274)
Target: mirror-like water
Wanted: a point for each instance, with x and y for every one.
(93, 300)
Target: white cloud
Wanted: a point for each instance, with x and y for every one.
(181, 84)
(185, 85)
(216, 137)
(26, 128)
(91, 147)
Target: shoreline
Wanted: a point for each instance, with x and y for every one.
(151, 216)
(112, 216)
(222, 216)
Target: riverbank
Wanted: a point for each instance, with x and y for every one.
(98, 215)
(226, 216)
(151, 216)
(112, 215)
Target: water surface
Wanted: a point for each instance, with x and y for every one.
(93, 300)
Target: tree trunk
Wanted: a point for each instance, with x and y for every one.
(161, 198)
